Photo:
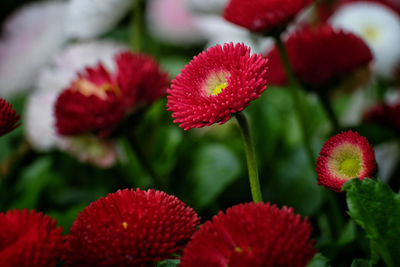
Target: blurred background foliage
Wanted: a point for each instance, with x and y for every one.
(205, 168)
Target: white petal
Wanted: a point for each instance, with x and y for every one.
(32, 36)
(170, 21)
(364, 17)
(90, 18)
(206, 6)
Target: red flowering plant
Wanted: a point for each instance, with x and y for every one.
(8, 117)
(29, 239)
(98, 101)
(130, 228)
(343, 157)
(260, 235)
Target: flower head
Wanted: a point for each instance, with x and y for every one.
(386, 115)
(216, 84)
(259, 235)
(130, 228)
(378, 25)
(29, 239)
(263, 15)
(97, 101)
(343, 157)
(8, 117)
(319, 56)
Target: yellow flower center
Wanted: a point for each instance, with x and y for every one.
(350, 167)
(88, 88)
(215, 83)
(371, 33)
(125, 225)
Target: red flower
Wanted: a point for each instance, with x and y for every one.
(8, 117)
(343, 157)
(257, 235)
(215, 84)
(130, 228)
(319, 56)
(263, 15)
(386, 115)
(29, 239)
(98, 101)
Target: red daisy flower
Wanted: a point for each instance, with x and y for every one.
(263, 15)
(130, 228)
(98, 101)
(215, 84)
(386, 115)
(258, 235)
(8, 117)
(319, 56)
(29, 239)
(344, 157)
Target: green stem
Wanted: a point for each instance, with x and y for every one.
(136, 26)
(295, 89)
(251, 157)
(326, 103)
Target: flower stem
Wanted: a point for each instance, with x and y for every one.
(326, 103)
(136, 26)
(295, 89)
(18, 154)
(250, 156)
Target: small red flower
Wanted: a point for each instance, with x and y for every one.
(8, 117)
(344, 157)
(29, 239)
(386, 115)
(130, 228)
(257, 235)
(215, 84)
(97, 101)
(263, 15)
(319, 56)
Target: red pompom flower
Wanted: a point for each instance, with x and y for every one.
(8, 117)
(29, 239)
(263, 15)
(386, 115)
(216, 84)
(257, 235)
(97, 101)
(130, 228)
(343, 157)
(319, 57)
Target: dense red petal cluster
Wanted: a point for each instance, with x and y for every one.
(263, 15)
(343, 157)
(319, 56)
(8, 117)
(130, 228)
(216, 84)
(97, 101)
(29, 239)
(257, 235)
(386, 115)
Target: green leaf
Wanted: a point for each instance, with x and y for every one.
(32, 182)
(376, 208)
(361, 263)
(215, 167)
(319, 260)
(168, 263)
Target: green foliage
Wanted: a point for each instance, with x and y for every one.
(376, 208)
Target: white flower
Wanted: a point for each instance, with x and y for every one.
(39, 114)
(207, 6)
(170, 21)
(31, 37)
(379, 26)
(90, 18)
